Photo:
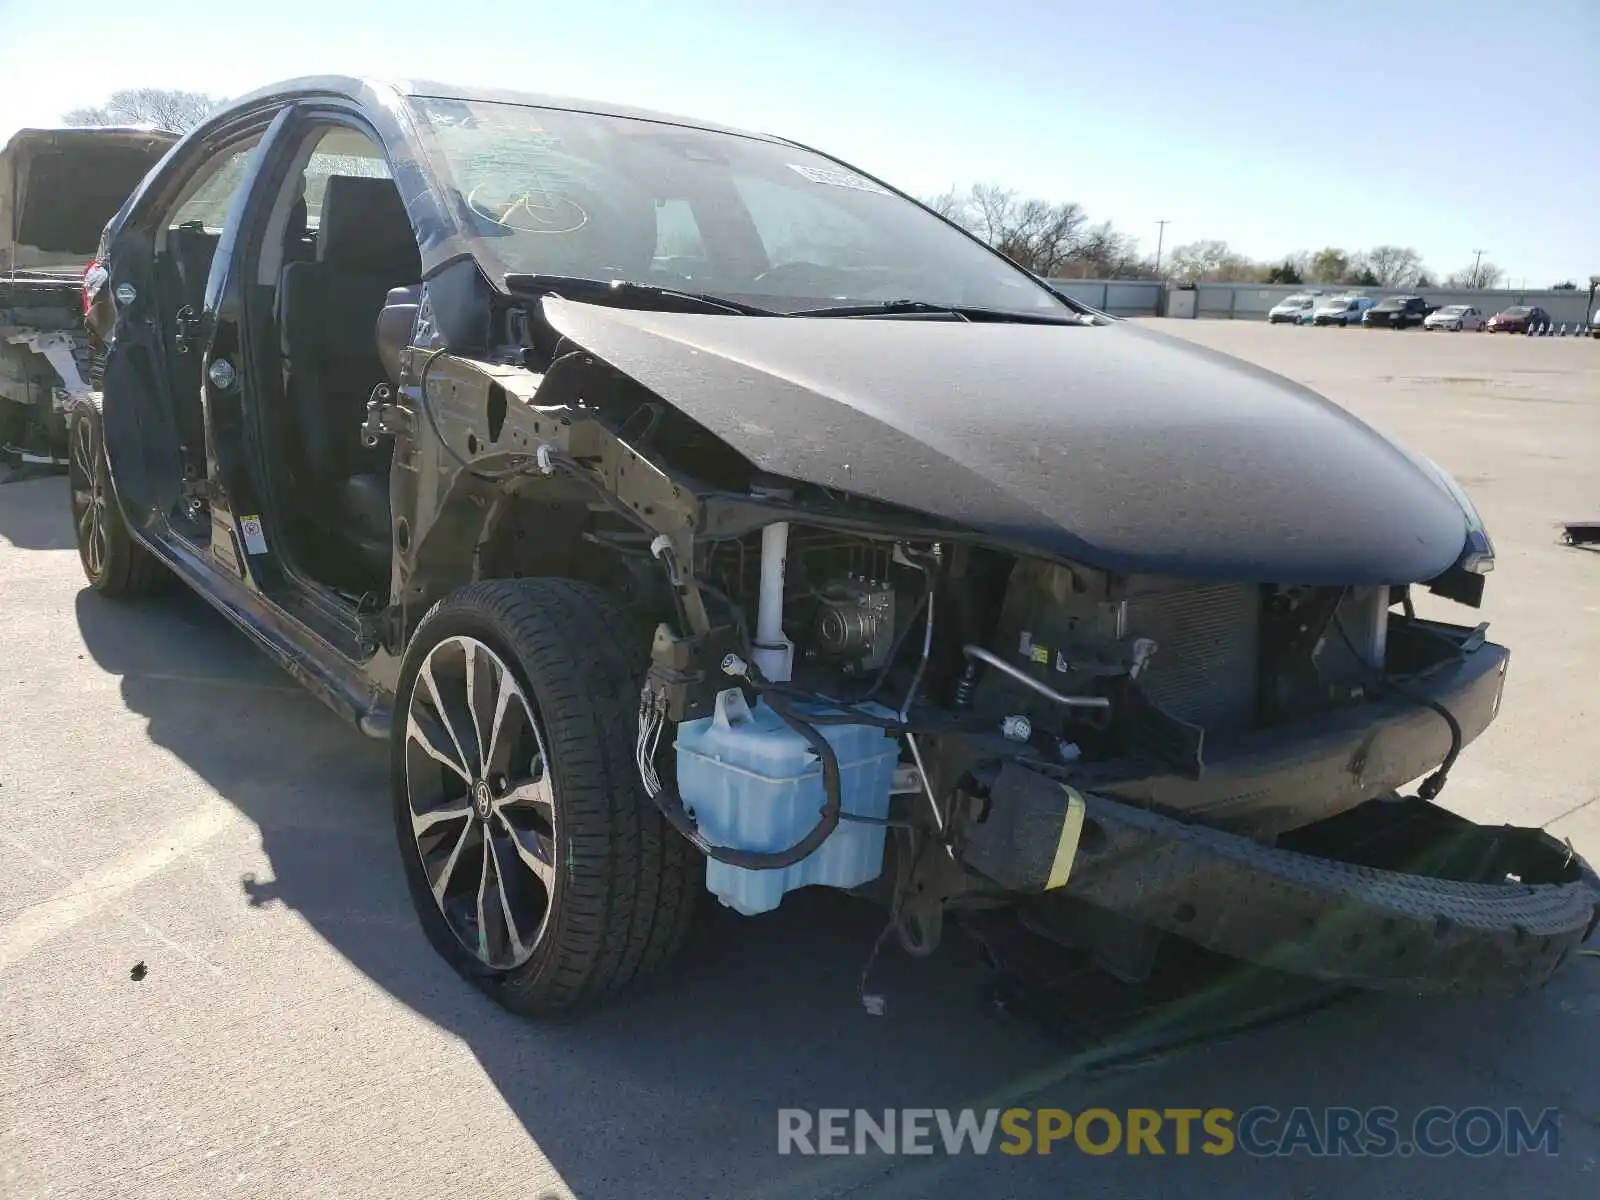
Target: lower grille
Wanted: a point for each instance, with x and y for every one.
(1208, 643)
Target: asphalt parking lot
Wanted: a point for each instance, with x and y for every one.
(169, 798)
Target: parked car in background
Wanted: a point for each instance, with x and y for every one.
(1341, 310)
(58, 188)
(1295, 310)
(1455, 317)
(1517, 319)
(1398, 312)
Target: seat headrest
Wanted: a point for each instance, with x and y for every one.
(365, 228)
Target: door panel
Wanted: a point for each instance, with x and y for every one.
(228, 384)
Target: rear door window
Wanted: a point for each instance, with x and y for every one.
(205, 199)
(339, 152)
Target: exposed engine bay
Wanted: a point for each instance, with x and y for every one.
(974, 669)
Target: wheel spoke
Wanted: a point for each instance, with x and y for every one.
(422, 822)
(449, 868)
(469, 654)
(483, 887)
(97, 541)
(462, 761)
(536, 793)
(505, 901)
(536, 851)
(83, 451)
(417, 734)
(505, 694)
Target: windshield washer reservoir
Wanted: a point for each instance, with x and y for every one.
(753, 783)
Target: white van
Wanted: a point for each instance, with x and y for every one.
(1341, 310)
(1295, 309)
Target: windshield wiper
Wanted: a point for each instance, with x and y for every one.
(964, 312)
(578, 287)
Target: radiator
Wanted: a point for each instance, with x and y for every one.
(1208, 645)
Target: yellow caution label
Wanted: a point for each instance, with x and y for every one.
(1067, 844)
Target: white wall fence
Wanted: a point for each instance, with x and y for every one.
(1250, 301)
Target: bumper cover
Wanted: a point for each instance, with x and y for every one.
(1489, 911)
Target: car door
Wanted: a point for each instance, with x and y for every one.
(233, 488)
(152, 406)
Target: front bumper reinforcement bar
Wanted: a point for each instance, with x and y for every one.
(1396, 895)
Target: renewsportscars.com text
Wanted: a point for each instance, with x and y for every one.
(1260, 1131)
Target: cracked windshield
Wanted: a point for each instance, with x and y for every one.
(555, 192)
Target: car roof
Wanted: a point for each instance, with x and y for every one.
(366, 89)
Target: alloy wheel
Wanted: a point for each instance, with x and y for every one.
(87, 479)
(482, 803)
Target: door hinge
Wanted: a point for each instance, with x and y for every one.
(384, 417)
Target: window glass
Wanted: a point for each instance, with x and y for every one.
(208, 195)
(678, 240)
(557, 192)
(339, 152)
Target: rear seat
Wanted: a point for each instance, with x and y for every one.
(327, 311)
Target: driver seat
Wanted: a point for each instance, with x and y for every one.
(327, 312)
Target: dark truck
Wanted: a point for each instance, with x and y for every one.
(1397, 312)
(58, 188)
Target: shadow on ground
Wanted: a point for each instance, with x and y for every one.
(33, 509)
(673, 1091)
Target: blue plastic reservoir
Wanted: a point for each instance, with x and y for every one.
(753, 783)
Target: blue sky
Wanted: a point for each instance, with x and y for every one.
(1448, 126)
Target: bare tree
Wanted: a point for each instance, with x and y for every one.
(1393, 266)
(1038, 235)
(1474, 278)
(164, 108)
(1328, 265)
(1212, 261)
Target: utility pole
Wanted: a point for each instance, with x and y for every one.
(1477, 258)
(1161, 235)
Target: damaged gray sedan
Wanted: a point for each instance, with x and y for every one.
(693, 512)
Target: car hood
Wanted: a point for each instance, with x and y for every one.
(1112, 445)
(59, 187)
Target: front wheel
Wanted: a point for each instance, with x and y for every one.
(538, 867)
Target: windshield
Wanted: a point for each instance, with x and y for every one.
(1452, 310)
(1518, 311)
(1296, 302)
(556, 192)
(1392, 302)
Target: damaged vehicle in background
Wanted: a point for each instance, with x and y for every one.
(691, 511)
(58, 188)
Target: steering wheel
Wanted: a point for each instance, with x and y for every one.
(527, 210)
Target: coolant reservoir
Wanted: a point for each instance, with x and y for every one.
(753, 783)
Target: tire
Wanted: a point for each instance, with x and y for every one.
(113, 561)
(581, 859)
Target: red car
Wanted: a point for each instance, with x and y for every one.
(1517, 319)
